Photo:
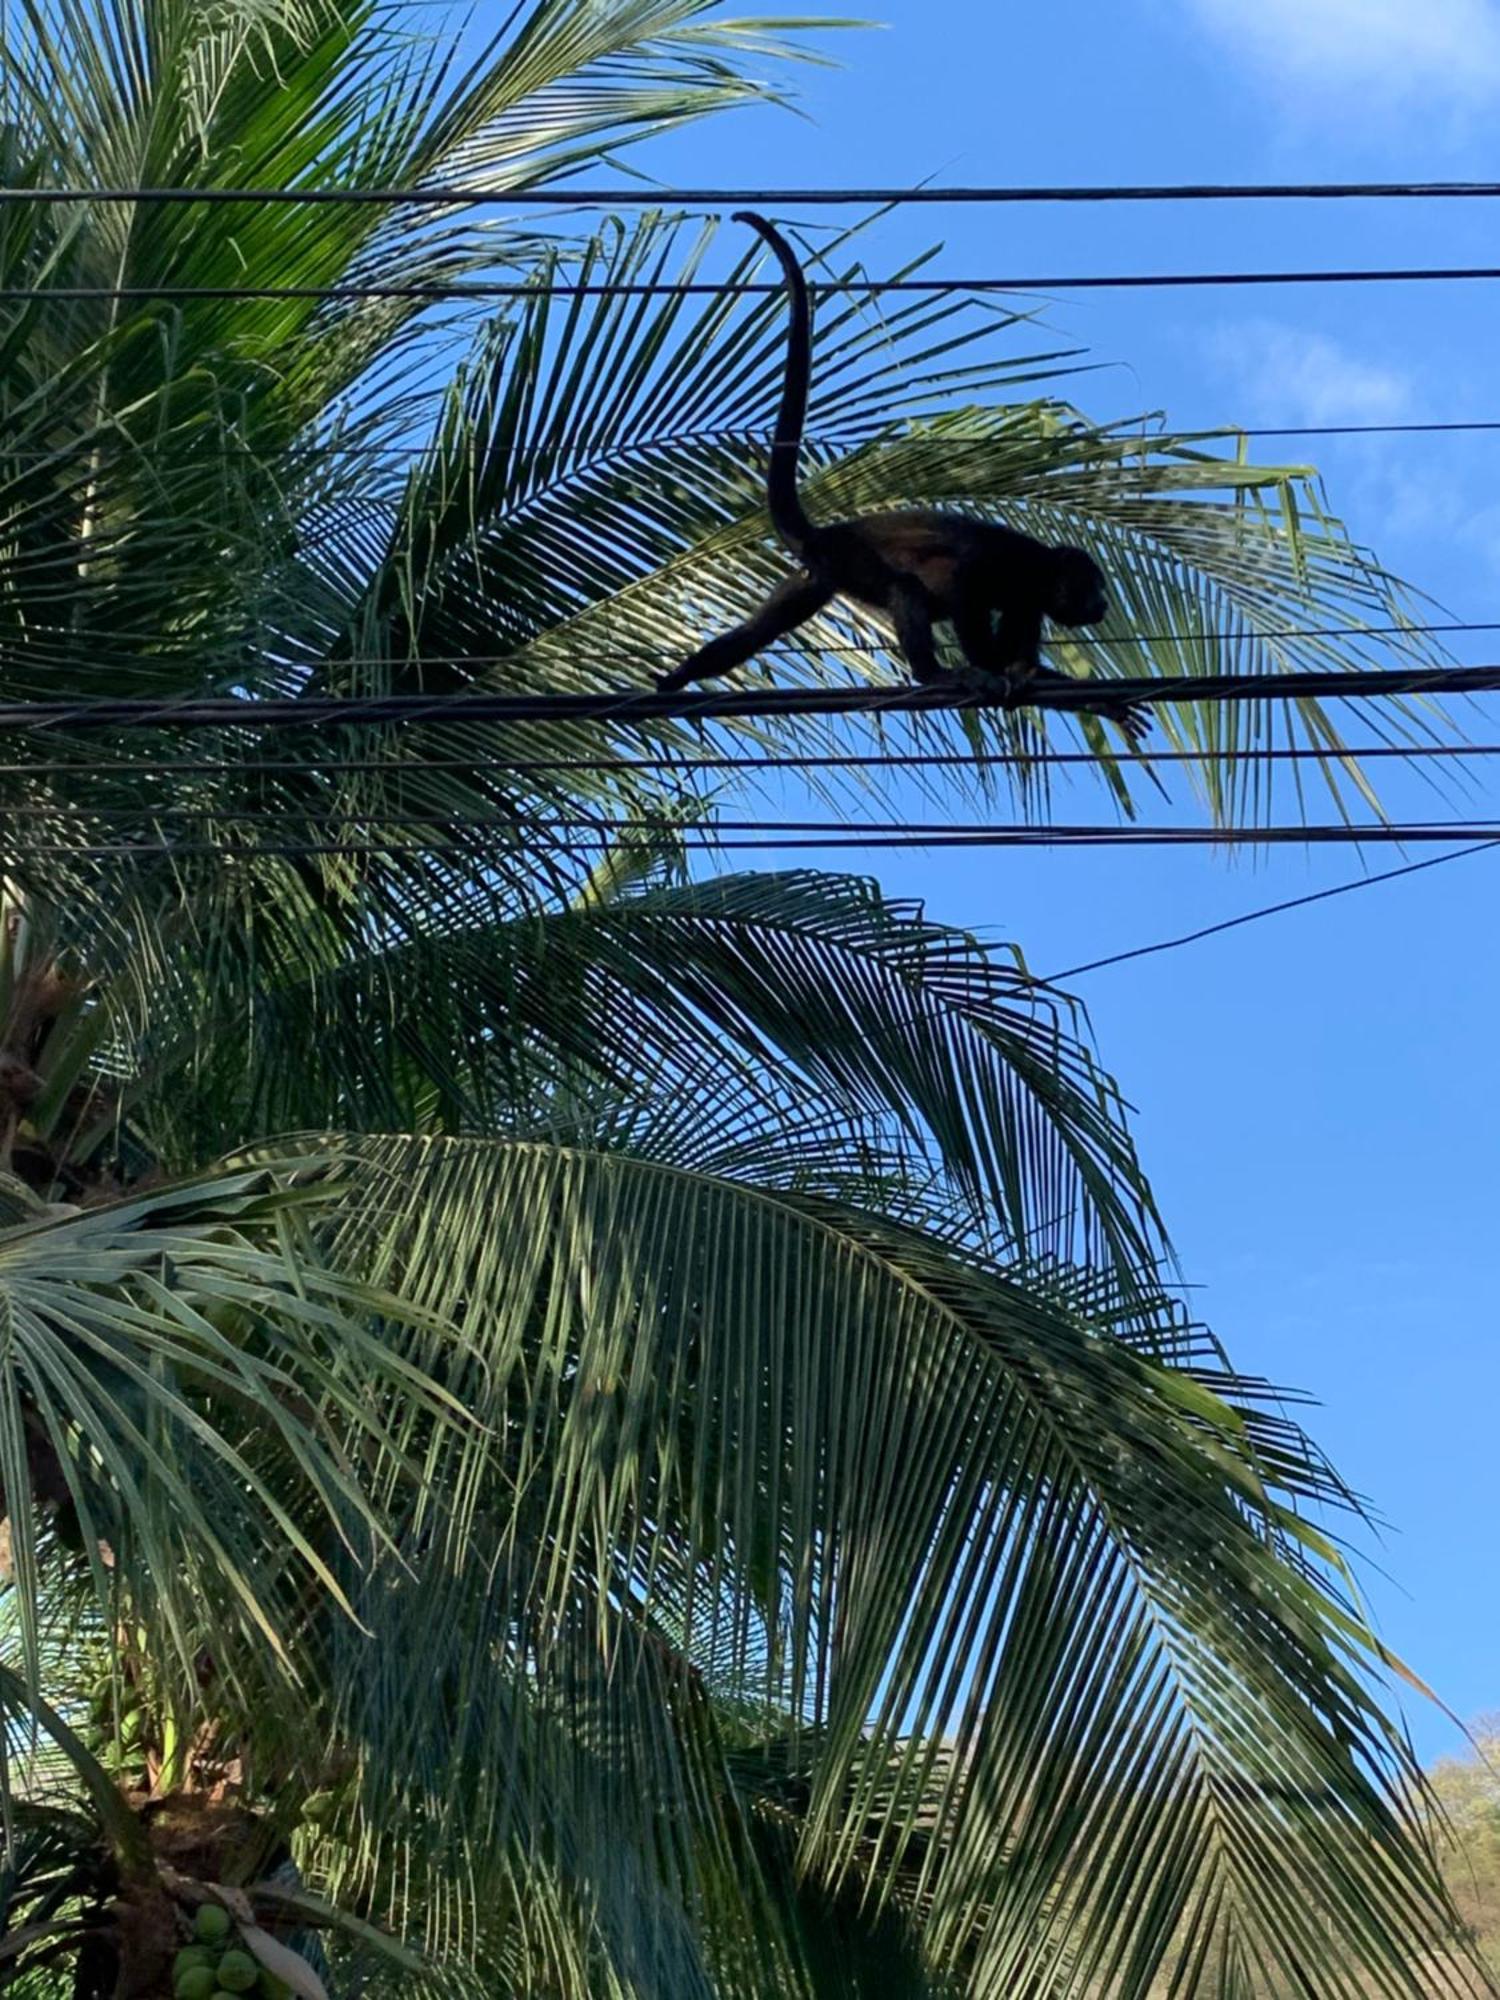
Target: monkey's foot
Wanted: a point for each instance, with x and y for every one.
(1133, 719)
(1022, 687)
(995, 684)
(1011, 690)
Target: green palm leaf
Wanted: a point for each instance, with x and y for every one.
(1054, 1650)
(180, 1389)
(792, 1030)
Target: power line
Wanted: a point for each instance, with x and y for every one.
(1348, 430)
(524, 767)
(470, 195)
(38, 644)
(633, 706)
(770, 836)
(457, 289)
(855, 833)
(1270, 910)
(401, 454)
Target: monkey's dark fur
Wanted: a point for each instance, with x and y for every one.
(992, 584)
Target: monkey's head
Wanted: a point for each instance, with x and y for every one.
(1076, 592)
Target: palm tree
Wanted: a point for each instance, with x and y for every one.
(564, 1429)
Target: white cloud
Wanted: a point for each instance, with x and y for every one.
(1395, 51)
(1305, 378)
(1269, 371)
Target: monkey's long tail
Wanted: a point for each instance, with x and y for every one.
(785, 500)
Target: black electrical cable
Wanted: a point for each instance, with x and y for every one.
(39, 644)
(1347, 430)
(770, 834)
(403, 454)
(632, 705)
(458, 289)
(1270, 910)
(523, 767)
(472, 195)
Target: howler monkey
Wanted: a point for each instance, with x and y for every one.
(993, 584)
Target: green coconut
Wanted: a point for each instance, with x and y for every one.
(197, 1983)
(190, 1957)
(211, 1925)
(238, 1971)
(270, 1987)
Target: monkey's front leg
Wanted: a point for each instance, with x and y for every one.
(1012, 652)
(790, 604)
(1007, 653)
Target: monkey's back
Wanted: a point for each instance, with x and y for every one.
(864, 556)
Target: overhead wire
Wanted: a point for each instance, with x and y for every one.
(40, 644)
(473, 195)
(770, 834)
(400, 454)
(638, 705)
(1419, 429)
(1269, 910)
(579, 818)
(457, 289)
(898, 760)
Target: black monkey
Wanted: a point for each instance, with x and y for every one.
(992, 583)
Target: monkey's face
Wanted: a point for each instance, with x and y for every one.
(1078, 595)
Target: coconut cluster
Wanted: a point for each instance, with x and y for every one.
(215, 1966)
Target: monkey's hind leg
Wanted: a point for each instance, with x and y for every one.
(911, 615)
(791, 603)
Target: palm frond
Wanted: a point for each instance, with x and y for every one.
(791, 1030)
(181, 1390)
(1061, 1674)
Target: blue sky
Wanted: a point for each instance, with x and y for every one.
(1317, 1094)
